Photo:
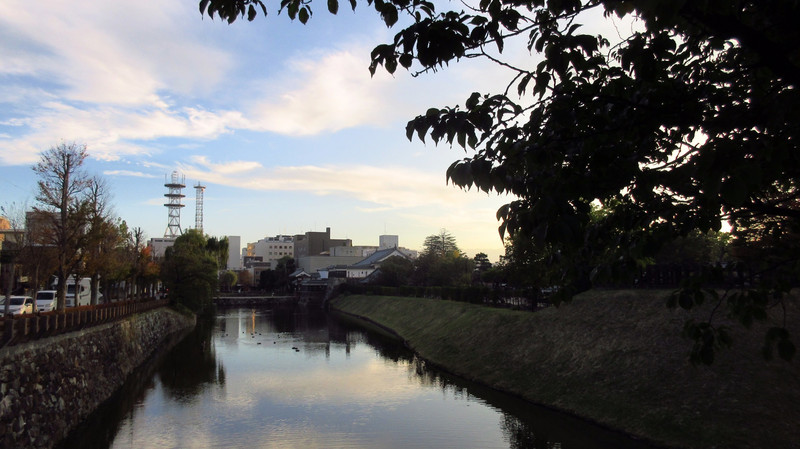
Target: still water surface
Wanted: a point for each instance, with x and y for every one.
(294, 378)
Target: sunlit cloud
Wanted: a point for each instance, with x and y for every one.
(330, 93)
(387, 187)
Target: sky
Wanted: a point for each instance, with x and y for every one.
(280, 121)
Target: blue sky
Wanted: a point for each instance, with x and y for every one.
(280, 121)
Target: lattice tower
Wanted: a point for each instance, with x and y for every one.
(198, 208)
(175, 186)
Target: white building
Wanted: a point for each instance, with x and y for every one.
(365, 267)
(272, 249)
(234, 252)
(160, 245)
(352, 251)
(388, 241)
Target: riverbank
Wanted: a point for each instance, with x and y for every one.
(50, 385)
(613, 357)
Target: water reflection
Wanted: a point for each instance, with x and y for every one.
(290, 377)
(192, 366)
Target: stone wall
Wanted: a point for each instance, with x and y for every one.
(49, 386)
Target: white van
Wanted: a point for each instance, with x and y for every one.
(45, 300)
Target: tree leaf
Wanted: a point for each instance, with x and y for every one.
(304, 15)
(333, 6)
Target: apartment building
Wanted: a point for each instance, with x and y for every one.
(272, 249)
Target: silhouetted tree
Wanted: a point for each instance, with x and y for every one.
(688, 117)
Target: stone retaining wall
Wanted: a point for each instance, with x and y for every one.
(49, 386)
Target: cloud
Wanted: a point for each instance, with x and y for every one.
(228, 168)
(110, 52)
(105, 75)
(109, 132)
(386, 188)
(329, 93)
(117, 74)
(135, 174)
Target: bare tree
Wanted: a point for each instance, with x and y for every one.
(101, 234)
(138, 261)
(62, 191)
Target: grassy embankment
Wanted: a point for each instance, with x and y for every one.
(615, 357)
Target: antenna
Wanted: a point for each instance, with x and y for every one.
(198, 210)
(175, 185)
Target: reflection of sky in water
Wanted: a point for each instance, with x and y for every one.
(324, 394)
(274, 379)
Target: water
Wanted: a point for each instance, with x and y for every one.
(293, 378)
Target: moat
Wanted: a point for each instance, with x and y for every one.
(292, 377)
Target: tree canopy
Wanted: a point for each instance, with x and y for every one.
(190, 270)
(688, 119)
(441, 262)
(440, 245)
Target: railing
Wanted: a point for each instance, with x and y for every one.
(21, 328)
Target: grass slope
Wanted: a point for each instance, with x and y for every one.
(615, 357)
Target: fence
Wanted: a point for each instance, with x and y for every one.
(21, 328)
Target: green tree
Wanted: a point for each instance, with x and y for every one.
(482, 262)
(227, 279)
(245, 278)
(442, 244)
(441, 263)
(395, 271)
(709, 248)
(189, 271)
(219, 248)
(277, 280)
(689, 118)
(119, 263)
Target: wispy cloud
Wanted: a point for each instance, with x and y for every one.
(226, 168)
(387, 188)
(135, 174)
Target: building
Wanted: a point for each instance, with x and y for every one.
(271, 249)
(388, 241)
(234, 252)
(159, 246)
(368, 265)
(313, 264)
(352, 251)
(316, 243)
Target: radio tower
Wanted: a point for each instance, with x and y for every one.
(198, 208)
(175, 185)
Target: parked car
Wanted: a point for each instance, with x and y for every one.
(46, 300)
(19, 305)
